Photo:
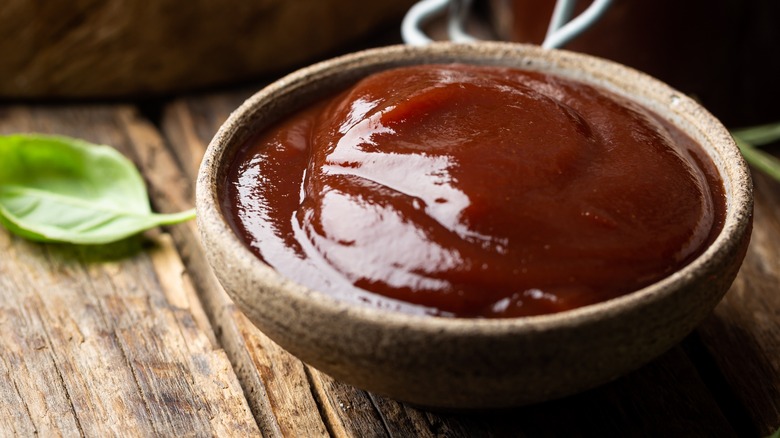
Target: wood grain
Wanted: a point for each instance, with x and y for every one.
(111, 48)
(275, 382)
(743, 334)
(106, 340)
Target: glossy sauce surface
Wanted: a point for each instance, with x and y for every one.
(468, 191)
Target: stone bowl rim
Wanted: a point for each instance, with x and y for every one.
(241, 124)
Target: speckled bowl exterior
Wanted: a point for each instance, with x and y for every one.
(455, 363)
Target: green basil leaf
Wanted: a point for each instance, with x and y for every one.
(67, 190)
(757, 158)
(759, 135)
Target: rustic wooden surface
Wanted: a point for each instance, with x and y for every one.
(137, 338)
(120, 48)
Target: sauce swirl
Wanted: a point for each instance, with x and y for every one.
(474, 191)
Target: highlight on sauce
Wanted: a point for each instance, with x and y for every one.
(474, 191)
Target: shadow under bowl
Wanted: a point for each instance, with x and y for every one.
(458, 363)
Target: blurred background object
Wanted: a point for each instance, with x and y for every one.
(131, 48)
(724, 53)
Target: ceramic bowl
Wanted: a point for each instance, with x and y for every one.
(458, 363)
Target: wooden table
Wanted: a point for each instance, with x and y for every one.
(138, 339)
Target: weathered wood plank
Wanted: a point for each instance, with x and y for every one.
(743, 334)
(275, 383)
(39, 402)
(109, 341)
(349, 412)
(666, 397)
